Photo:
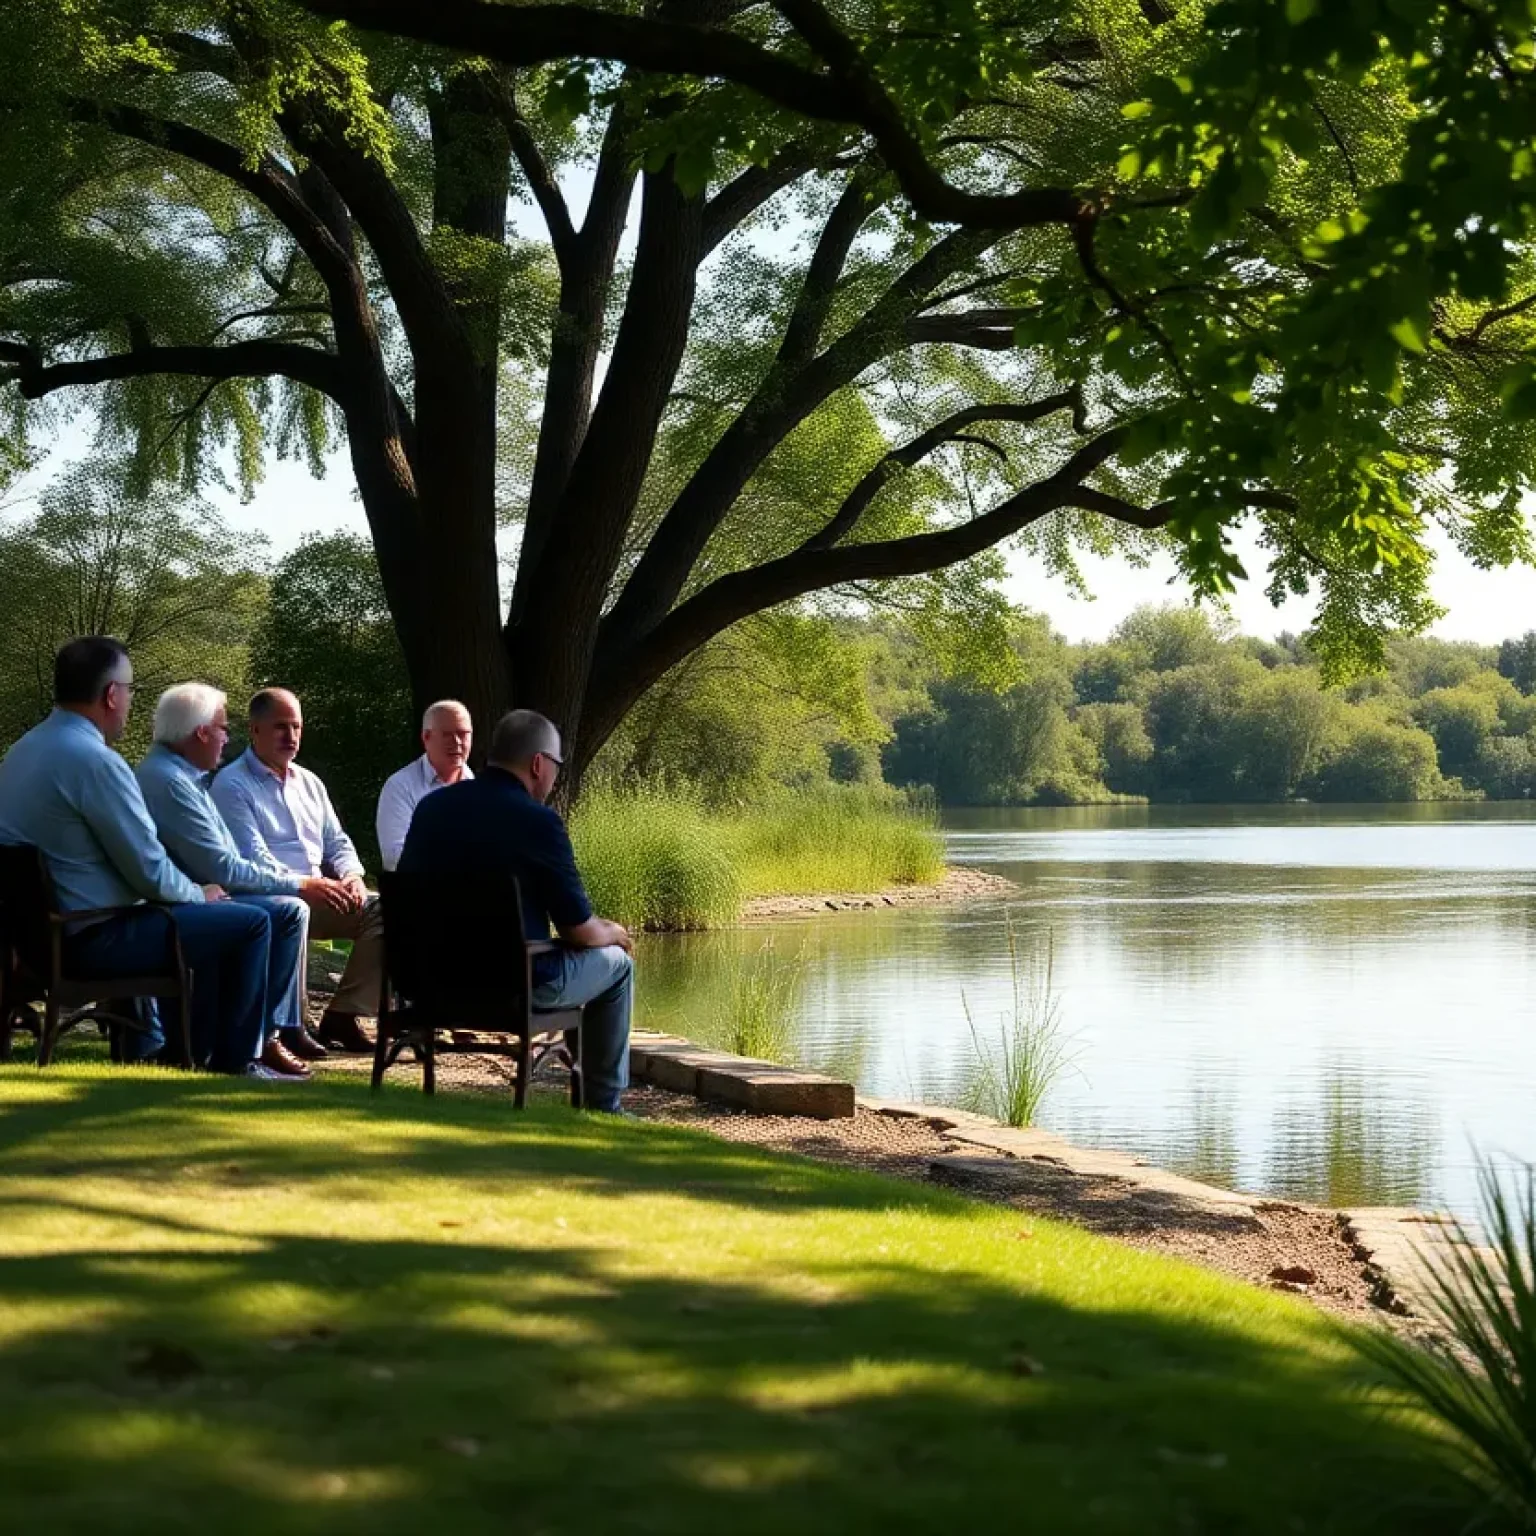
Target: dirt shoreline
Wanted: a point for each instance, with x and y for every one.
(957, 884)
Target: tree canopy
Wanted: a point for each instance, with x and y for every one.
(907, 282)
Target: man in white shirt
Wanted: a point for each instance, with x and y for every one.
(281, 818)
(446, 734)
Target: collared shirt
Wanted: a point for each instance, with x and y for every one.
(64, 790)
(494, 826)
(402, 793)
(283, 823)
(194, 833)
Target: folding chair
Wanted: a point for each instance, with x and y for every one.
(34, 972)
(456, 960)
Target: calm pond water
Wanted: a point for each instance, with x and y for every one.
(1334, 1003)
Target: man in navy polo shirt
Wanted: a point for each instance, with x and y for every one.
(500, 823)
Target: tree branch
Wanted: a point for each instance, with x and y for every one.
(739, 199)
(239, 360)
(859, 199)
(951, 429)
(992, 329)
(848, 92)
(536, 171)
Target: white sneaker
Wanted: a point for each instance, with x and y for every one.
(267, 1075)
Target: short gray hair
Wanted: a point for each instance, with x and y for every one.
(519, 735)
(441, 708)
(184, 709)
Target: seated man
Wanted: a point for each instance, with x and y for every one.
(446, 733)
(66, 792)
(191, 732)
(281, 818)
(499, 823)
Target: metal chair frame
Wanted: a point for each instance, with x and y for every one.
(33, 971)
(428, 1008)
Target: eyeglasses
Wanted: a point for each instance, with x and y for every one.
(559, 762)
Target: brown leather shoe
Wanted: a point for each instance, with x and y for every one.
(276, 1057)
(303, 1044)
(342, 1031)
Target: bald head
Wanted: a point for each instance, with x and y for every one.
(521, 734)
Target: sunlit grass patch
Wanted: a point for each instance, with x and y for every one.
(250, 1309)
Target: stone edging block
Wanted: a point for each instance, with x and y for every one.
(764, 1087)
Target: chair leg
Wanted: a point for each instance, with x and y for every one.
(381, 1036)
(184, 1022)
(50, 1031)
(524, 1069)
(429, 1062)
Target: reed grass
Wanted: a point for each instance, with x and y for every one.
(1479, 1382)
(660, 859)
(1014, 1071)
(755, 1015)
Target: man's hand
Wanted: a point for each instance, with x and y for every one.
(215, 893)
(599, 933)
(356, 891)
(330, 895)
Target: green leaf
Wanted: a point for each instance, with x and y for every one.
(1408, 334)
(1128, 167)
(1135, 109)
(1298, 11)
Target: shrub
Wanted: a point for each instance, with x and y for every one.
(651, 860)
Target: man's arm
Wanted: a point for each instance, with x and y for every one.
(113, 807)
(339, 857)
(394, 818)
(188, 828)
(233, 800)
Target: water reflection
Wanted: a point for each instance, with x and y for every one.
(1326, 1004)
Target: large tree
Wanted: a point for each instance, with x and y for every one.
(896, 294)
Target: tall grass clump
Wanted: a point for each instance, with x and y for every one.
(653, 860)
(1013, 1073)
(1479, 1383)
(836, 838)
(754, 1017)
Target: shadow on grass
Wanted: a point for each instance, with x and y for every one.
(185, 1370)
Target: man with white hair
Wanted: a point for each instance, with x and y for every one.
(191, 730)
(281, 817)
(446, 734)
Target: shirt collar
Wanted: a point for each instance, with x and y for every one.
(429, 774)
(259, 770)
(174, 760)
(68, 720)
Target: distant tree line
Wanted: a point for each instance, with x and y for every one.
(969, 701)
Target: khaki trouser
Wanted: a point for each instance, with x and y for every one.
(358, 991)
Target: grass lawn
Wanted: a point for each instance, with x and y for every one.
(231, 1308)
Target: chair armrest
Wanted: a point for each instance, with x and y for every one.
(543, 946)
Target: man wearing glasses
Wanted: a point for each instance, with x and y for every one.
(66, 792)
(500, 823)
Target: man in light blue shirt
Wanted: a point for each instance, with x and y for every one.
(66, 792)
(446, 734)
(282, 819)
(191, 732)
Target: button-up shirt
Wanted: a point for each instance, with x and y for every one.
(194, 833)
(64, 790)
(398, 800)
(283, 823)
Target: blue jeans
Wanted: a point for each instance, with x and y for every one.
(226, 945)
(285, 967)
(601, 981)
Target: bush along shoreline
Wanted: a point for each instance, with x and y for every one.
(660, 860)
